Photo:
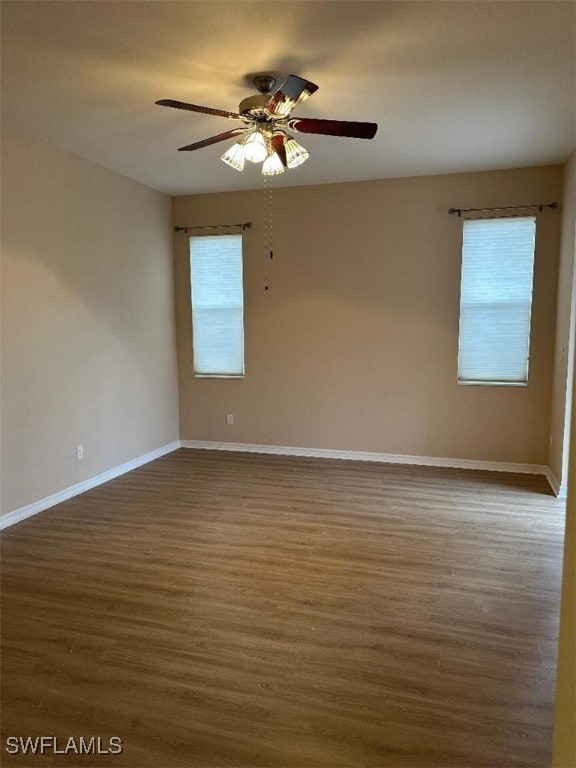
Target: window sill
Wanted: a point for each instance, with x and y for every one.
(219, 376)
(492, 383)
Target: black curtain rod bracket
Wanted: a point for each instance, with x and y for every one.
(243, 226)
(540, 206)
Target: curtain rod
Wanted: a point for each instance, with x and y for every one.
(245, 225)
(540, 207)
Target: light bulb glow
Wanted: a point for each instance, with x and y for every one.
(255, 147)
(296, 154)
(272, 166)
(234, 156)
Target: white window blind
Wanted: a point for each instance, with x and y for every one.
(217, 305)
(496, 300)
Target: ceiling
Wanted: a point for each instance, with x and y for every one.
(454, 86)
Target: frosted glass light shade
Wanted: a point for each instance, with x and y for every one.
(255, 147)
(296, 154)
(234, 157)
(272, 166)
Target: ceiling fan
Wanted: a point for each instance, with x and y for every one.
(266, 120)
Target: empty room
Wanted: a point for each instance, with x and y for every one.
(288, 312)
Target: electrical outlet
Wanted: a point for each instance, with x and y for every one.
(230, 419)
(80, 452)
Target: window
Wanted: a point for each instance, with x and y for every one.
(217, 305)
(496, 300)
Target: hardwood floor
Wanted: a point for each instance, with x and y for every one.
(224, 609)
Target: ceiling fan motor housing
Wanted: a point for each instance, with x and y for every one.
(253, 105)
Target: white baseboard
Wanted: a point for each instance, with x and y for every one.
(561, 491)
(10, 518)
(385, 458)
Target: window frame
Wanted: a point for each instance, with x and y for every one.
(214, 375)
(497, 382)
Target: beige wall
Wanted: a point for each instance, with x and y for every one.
(564, 752)
(354, 347)
(565, 716)
(87, 321)
(564, 348)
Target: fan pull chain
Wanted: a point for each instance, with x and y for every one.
(268, 226)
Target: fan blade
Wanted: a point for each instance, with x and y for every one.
(212, 140)
(333, 127)
(293, 91)
(278, 145)
(197, 108)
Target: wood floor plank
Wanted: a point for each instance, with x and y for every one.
(222, 609)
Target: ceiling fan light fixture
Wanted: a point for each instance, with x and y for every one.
(255, 147)
(272, 166)
(296, 154)
(264, 118)
(235, 156)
